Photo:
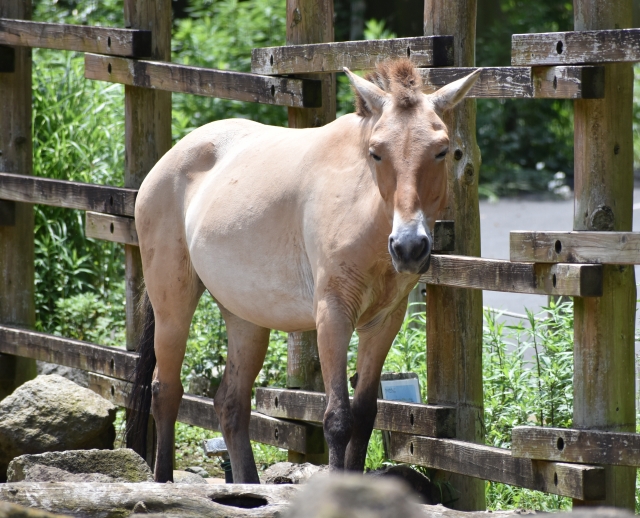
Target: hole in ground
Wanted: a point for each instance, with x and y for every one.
(243, 502)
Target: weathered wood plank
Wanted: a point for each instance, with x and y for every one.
(110, 361)
(604, 328)
(171, 77)
(71, 195)
(576, 247)
(583, 446)
(498, 465)
(111, 228)
(81, 38)
(582, 280)
(523, 82)
(423, 51)
(575, 48)
(430, 420)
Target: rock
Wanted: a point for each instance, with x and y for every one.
(428, 491)
(354, 496)
(8, 510)
(51, 413)
(78, 376)
(290, 473)
(186, 477)
(105, 466)
(198, 471)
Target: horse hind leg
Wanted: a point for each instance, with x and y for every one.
(174, 295)
(246, 352)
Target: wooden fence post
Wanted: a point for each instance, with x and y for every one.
(604, 382)
(17, 305)
(454, 316)
(147, 138)
(309, 21)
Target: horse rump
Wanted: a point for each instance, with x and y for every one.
(140, 399)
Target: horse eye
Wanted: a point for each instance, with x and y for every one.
(375, 157)
(442, 154)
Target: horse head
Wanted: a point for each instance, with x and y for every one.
(406, 152)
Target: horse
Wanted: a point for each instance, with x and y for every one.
(324, 228)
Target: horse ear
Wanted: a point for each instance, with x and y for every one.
(450, 95)
(374, 97)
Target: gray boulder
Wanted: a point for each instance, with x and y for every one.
(76, 375)
(51, 413)
(186, 477)
(290, 473)
(122, 465)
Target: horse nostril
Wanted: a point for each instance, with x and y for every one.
(420, 249)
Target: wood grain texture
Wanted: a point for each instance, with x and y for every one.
(523, 82)
(111, 228)
(430, 420)
(604, 357)
(574, 48)
(498, 465)
(582, 446)
(576, 247)
(80, 38)
(454, 317)
(208, 82)
(583, 280)
(70, 195)
(16, 241)
(423, 51)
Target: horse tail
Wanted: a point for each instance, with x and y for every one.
(140, 401)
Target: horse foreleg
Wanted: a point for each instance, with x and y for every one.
(373, 348)
(334, 333)
(232, 402)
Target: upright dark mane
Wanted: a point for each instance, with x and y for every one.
(398, 77)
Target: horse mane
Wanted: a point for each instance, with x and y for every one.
(399, 77)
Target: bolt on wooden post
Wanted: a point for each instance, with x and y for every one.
(147, 138)
(17, 305)
(454, 316)
(604, 383)
(309, 21)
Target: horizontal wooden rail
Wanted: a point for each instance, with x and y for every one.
(431, 420)
(567, 445)
(523, 82)
(498, 465)
(578, 280)
(111, 228)
(172, 77)
(574, 48)
(70, 195)
(423, 51)
(199, 411)
(81, 38)
(576, 247)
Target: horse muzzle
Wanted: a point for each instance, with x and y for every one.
(410, 250)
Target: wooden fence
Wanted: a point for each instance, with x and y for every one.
(595, 462)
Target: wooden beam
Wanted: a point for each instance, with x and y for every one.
(199, 411)
(208, 82)
(110, 361)
(575, 48)
(576, 247)
(523, 82)
(581, 280)
(583, 446)
(70, 195)
(302, 405)
(111, 228)
(499, 465)
(80, 38)
(423, 51)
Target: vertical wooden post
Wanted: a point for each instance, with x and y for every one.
(604, 381)
(147, 138)
(16, 230)
(454, 316)
(309, 21)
